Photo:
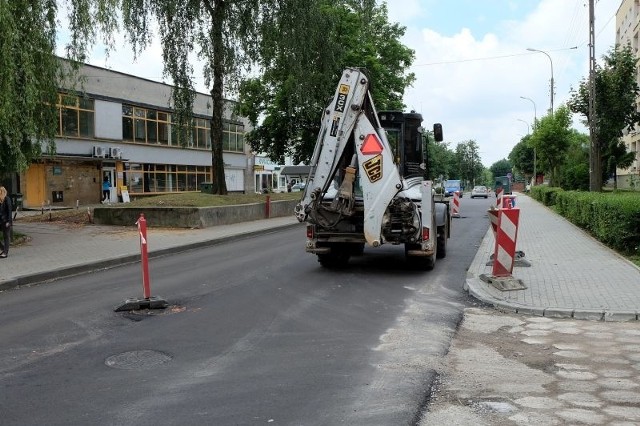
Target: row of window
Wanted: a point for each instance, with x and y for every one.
(150, 178)
(142, 125)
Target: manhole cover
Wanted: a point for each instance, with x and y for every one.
(137, 360)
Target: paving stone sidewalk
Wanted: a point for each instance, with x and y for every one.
(571, 274)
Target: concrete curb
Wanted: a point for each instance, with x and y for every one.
(474, 286)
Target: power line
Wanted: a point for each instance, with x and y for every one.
(487, 58)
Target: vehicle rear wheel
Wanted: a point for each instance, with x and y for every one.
(425, 263)
(441, 250)
(338, 257)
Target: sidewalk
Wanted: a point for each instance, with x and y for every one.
(571, 274)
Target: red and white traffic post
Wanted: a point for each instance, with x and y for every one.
(506, 237)
(147, 302)
(456, 204)
(144, 256)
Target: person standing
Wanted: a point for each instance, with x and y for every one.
(106, 190)
(6, 221)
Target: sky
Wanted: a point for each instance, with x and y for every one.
(474, 74)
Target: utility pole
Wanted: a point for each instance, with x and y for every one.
(595, 173)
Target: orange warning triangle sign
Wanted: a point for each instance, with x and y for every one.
(371, 145)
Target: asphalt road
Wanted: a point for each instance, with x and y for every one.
(257, 333)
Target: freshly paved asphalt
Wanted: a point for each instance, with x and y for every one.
(571, 274)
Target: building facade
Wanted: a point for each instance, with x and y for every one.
(116, 130)
(628, 32)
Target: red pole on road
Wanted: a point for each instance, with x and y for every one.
(142, 229)
(147, 302)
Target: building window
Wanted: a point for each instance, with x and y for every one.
(143, 125)
(202, 134)
(232, 137)
(162, 178)
(75, 116)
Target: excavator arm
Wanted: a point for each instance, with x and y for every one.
(351, 151)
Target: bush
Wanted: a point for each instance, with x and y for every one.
(545, 194)
(612, 218)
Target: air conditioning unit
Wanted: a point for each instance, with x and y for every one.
(115, 152)
(99, 151)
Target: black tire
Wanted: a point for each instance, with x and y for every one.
(423, 263)
(338, 257)
(441, 249)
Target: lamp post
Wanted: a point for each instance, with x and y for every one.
(535, 120)
(551, 62)
(528, 126)
(535, 112)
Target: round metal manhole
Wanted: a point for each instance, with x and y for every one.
(137, 360)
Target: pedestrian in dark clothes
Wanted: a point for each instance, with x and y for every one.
(6, 220)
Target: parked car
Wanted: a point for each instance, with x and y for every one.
(480, 191)
(298, 187)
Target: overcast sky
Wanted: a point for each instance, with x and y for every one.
(472, 64)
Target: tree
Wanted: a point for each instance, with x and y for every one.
(575, 171)
(551, 140)
(615, 109)
(468, 160)
(285, 102)
(226, 34)
(501, 168)
(521, 156)
(440, 159)
(28, 81)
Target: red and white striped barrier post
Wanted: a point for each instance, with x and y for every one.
(493, 219)
(499, 194)
(506, 237)
(144, 256)
(456, 204)
(147, 302)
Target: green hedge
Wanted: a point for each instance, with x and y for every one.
(612, 218)
(545, 194)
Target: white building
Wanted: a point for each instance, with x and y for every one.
(117, 128)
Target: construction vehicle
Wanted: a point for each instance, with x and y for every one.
(367, 184)
(503, 182)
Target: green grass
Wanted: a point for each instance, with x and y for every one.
(198, 199)
(188, 199)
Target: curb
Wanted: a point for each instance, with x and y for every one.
(69, 271)
(473, 286)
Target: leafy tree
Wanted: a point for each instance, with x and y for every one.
(551, 140)
(615, 109)
(575, 172)
(285, 102)
(226, 34)
(27, 82)
(469, 162)
(440, 159)
(522, 156)
(501, 167)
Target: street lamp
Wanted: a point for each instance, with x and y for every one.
(535, 112)
(528, 126)
(551, 62)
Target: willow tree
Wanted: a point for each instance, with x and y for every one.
(223, 34)
(27, 81)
